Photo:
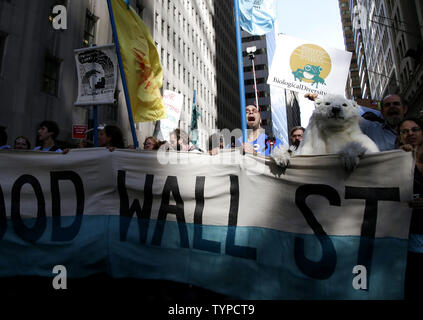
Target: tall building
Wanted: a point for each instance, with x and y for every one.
(38, 75)
(195, 40)
(388, 39)
(356, 75)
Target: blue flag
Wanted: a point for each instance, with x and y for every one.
(257, 17)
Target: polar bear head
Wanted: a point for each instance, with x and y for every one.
(335, 111)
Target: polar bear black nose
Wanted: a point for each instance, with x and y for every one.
(336, 110)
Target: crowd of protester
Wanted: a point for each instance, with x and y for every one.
(391, 131)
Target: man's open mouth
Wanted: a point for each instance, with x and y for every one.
(251, 118)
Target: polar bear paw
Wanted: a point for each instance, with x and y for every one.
(282, 155)
(351, 154)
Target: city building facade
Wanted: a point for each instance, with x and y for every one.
(194, 38)
(388, 40)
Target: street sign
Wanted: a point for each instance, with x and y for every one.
(79, 131)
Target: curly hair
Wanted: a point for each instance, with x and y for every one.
(116, 136)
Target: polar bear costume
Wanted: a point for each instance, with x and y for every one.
(333, 128)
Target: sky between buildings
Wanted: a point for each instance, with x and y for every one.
(318, 21)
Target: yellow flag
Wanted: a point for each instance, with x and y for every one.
(141, 64)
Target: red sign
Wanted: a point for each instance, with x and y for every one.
(79, 131)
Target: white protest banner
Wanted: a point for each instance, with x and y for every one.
(173, 102)
(198, 219)
(305, 67)
(97, 75)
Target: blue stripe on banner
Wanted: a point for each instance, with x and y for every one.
(257, 263)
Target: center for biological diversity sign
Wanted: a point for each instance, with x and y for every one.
(309, 68)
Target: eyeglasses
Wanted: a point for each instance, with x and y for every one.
(395, 103)
(414, 130)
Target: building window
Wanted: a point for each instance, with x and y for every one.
(156, 22)
(140, 8)
(162, 55)
(3, 38)
(89, 30)
(168, 61)
(51, 75)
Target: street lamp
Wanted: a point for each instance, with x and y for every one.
(251, 54)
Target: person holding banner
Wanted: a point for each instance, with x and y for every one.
(111, 137)
(257, 142)
(46, 136)
(151, 143)
(179, 140)
(410, 136)
(22, 143)
(296, 134)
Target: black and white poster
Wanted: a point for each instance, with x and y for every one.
(97, 75)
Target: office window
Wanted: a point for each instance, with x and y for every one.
(168, 61)
(51, 75)
(89, 30)
(162, 55)
(156, 21)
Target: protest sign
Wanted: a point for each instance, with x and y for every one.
(97, 75)
(306, 67)
(173, 102)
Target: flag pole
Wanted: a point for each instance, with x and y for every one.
(240, 72)
(122, 74)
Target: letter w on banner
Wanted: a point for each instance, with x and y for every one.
(257, 16)
(141, 63)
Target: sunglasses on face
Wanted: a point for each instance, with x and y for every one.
(395, 103)
(414, 130)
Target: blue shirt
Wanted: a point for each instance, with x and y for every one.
(381, 133)
(39, 148)
(261, 144)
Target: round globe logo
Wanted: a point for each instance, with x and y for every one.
(310, 63)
